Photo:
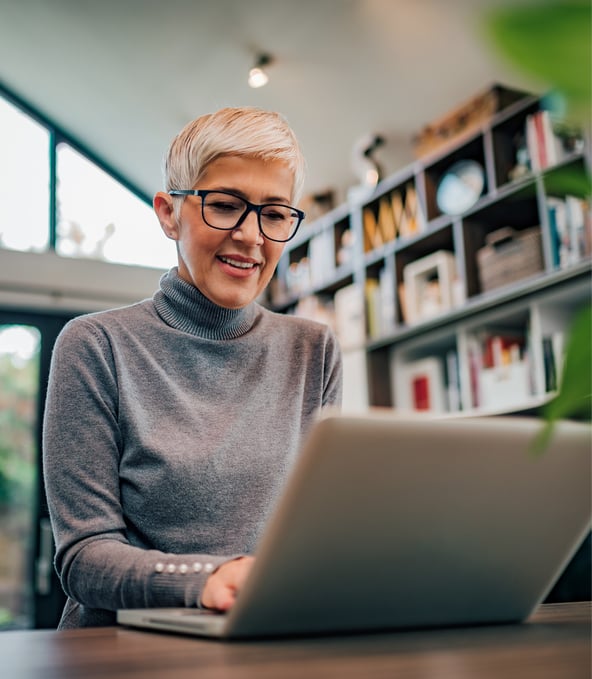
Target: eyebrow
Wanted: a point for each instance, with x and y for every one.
(241, 194)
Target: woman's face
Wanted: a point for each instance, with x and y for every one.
(231, 268)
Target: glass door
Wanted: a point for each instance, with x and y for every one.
(19, 468)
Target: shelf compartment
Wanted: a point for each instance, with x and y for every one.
(433, 174)
(424, 374)
(518, 210)
(439, 241)
(392, 216)
(509, 147)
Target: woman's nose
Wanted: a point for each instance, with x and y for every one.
(249, 231)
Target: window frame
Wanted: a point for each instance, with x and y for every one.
(58, 135)
(47, 606)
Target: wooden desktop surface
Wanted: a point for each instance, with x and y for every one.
(554, 643)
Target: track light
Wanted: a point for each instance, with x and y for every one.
(257, 76)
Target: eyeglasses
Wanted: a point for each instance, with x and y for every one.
(226, 211)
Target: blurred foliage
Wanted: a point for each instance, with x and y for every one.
(569, 180)
(575, 394)
(551, 41)
(18, 393)
(19, 378)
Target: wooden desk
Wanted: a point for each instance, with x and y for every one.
(555, 643)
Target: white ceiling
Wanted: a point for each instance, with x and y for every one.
(123, 76)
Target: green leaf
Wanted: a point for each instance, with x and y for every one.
(575, 393)
(550, 41)
(569, 180)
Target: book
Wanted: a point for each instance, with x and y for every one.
(421, 392)
(561, 233)
(321, 258)
(532, 144)
(453, 381)
(544, 145)
(373, 315)
(474, 358)
(575, 208)
(550, 367)
(501, 349)
(386, 281)
(386, 221)
(554, 234)
(397, 211)
(355, 381)
(413, 219)
(350, 321)
(372, 237)
(541, 145)
(569, 229)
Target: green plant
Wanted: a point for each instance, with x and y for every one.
(575, 394)
(552, 43)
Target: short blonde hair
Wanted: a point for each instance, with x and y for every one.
(245, 131)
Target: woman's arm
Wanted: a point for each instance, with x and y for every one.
(82, 447)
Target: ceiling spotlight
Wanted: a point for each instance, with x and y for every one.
(257, 76)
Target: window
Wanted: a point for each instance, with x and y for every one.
(100, 218)
(24, 189)
(19, 385)
(96, 216)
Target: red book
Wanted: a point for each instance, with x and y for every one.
(421, 392)
(540, 137)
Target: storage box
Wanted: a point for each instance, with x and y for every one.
(465, 119)
(509, 256)
(504, 386)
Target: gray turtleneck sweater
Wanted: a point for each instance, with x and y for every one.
(169, 429)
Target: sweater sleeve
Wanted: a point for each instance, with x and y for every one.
(333, 373)
(82, 444)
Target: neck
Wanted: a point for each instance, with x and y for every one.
(182, 306)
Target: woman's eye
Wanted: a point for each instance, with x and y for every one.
(225, 207)
(276, 215)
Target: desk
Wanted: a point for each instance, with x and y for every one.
(554, 643)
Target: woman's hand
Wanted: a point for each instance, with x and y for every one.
(225, 583)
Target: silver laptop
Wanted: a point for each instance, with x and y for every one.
(395, 524)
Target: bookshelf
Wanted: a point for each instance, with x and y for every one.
(455, 311)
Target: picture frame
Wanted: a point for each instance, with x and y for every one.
(429, 285)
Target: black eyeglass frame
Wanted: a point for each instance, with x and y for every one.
(251, 207)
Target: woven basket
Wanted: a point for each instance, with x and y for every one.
(509, 256)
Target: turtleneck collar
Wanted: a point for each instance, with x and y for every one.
(183, 307)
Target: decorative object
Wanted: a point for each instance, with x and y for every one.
(364, 165)
(464, 120)
(460, 187)
(429, 283)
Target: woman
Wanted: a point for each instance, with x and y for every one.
(171, 424)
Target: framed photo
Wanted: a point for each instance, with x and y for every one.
(429, 285)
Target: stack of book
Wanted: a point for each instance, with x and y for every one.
(397, 215)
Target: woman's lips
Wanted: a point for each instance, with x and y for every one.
(239, 267)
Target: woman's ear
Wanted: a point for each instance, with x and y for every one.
(163, 206)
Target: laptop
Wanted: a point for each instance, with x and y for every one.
(388, 523)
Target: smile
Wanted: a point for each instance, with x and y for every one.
(238, 264)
